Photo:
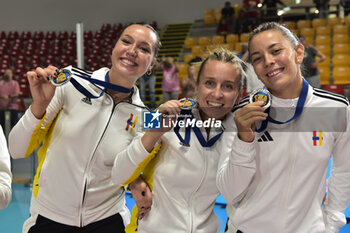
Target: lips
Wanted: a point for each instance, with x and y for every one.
(274, 73)
(214, 104)
(128, 62)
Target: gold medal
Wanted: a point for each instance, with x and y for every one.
(61, 77)
(261, 95)
(187, 103)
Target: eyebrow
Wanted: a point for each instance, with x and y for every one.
(271, 46)
(212, 78)
(142, 42)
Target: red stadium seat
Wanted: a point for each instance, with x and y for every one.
(13, 35)
(24, 90)
(21, 105)
(50, 35)
(23, 78)
(2, 35)
(117, 27)
(63, 35)
(38, 35)
(88, 35)
(335, 88)
(106, 27)
(73, 35)
(26, 35)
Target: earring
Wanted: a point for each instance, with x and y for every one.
(149, 72)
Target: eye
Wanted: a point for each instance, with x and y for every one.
(126, 41)
(227, 87)
(256, 59)
(276, 51)
(210, 84)
(145, 49)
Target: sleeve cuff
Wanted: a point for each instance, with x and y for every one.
(334, 220)
(138, 151)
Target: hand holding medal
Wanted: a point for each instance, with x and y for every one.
(169, 111)
(246, 117)
(61, 77)
(261, 95)
(41, 88)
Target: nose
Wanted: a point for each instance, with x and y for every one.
(269, 59)
(132, 51)
(217, 92)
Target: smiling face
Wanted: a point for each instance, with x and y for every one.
(276, 62)
(218, 89)
(134, 52)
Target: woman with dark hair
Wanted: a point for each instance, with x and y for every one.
(305, 126)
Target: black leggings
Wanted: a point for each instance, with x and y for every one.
(112, 224)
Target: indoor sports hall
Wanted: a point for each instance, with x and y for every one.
(83, 33)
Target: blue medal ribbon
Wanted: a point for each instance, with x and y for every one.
(105, 84)
(204, 142)
(298, 110)
(186, 141)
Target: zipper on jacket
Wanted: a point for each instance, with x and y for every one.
(88, 168)
(93, 155)
(287, 187)
(195, 191)
(82, 204)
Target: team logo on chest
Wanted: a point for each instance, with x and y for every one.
(317, 138)
(86, 100)
(130, 123)
(265, 137)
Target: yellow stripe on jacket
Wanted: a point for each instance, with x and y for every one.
(145, 168)
(40, 135)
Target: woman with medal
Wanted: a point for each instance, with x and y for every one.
(184, 170)
(78, 129)
(304, 127)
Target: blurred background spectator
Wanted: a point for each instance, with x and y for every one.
(148, 79)
(9, 92)
(271, 7)
(310, 64)
(228, 14)
(323, 7)
(170, 82)
(224, 27)
(187, 84)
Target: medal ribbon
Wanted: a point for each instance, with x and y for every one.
(186, 141)
(298, 110)
(105, 84)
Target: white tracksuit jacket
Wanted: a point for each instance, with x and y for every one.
(5, 172)
(73, 183)
(184, 182)
(286, 193)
